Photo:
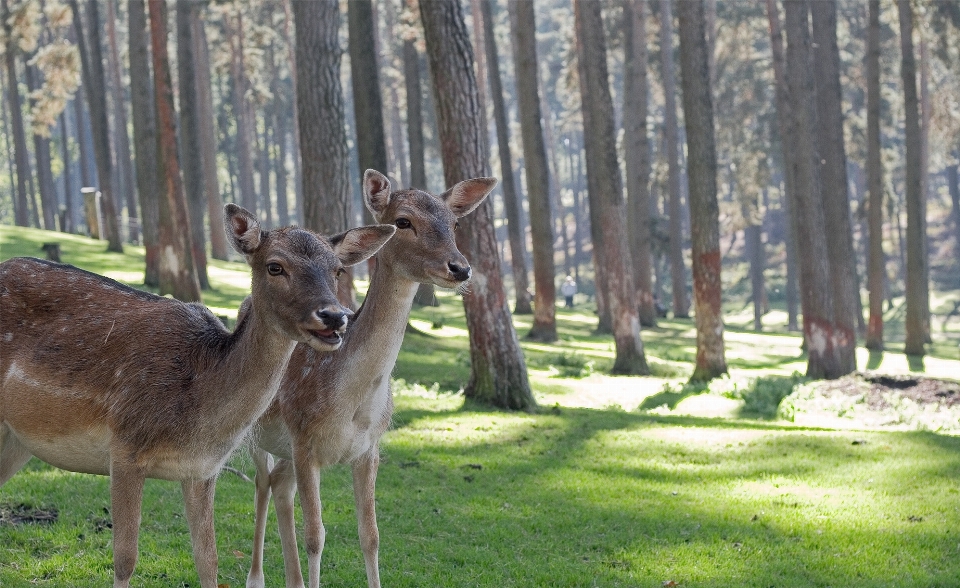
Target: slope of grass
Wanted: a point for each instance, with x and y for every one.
(586, 493)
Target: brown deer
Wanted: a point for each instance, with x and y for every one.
(334, 407)
(100, 378)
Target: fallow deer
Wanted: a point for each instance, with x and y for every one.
(100, 378)
(334, 407)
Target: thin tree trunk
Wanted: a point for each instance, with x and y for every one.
(88, 171)
(145, 139)
(833, 180)
(69, 190)
(606, 191)
(523, 28)
(295, 151)
(819, 331)
(367, 101)
(22, 161)
(876, 271)
(704, 209)
(280, 110)
(95, 82)
(637, 154)
(263, 168)
(953, 185)
(41, 149)
(678, 271)
(323, 138)
(193, 182)
(208, 141)
(498, 373)
(508, 183)
(124, 164)
(916, 333)
(244, 140)
(926, 115)
(783, 126)
(178, 274)
(398, 151)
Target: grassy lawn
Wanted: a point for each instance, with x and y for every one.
(615, 482)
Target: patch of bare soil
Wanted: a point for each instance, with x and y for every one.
(877, 388)
(21, 514)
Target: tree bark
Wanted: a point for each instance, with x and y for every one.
(22, 158)
(606, 191)
(244, 140)
(508, 182)
(145, 139)
(177, 270)
(876, 271)
(397, 153)
(637, 154)
(704, 209)
(914, 322)
(127, 182)
(280, 109)
(678, 271)
(208, 141)
(820, 334)
(193, 182)
(926, 115)
(832, 158)
(41, 150)
(783, 127)
(323, 138)
(295, 149)
(69, 190)
(94, 80)
(523, 27)
(498, 373)
(953, 185)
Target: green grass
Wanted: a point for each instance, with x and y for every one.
(588, 492)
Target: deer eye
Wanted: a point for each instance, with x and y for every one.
(403, 223)
(275, 269)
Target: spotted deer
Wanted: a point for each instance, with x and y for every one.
(334, 407)
(97, 377)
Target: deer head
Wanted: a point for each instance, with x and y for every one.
(293, 274)
(424, 248)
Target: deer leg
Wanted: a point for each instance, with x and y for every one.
(126, 498)
(284, 484)
(364, 489)
(308, 484)
(264, 463)
(198, 503)
(13, 455)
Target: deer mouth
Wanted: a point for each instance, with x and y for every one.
(328, 336)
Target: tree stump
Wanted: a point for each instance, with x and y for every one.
(52, 250)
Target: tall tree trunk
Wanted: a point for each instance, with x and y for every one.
(124, 164)
(367, 101)
(916, 333)
(94, 80)
(295, 150)
(323, 138)
(208, 141)
(678, 271)
(606, 191)
(754, 244)
(88, 169)
(280, 110)
(511, 198)
(876, 270)
(41, 149)
(637, 154)
(192, 154)
(926, 115)
(498, 373)
(22, 162)
(704, 209)
(833, 181)
(178, 274)
(398, 152)
(262, 145)
(69, 190)
(953, 185)
(145, 139)
(823, 360)
(783, 127)
(523, 28)
(245, 130)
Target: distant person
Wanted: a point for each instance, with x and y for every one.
(568, 289)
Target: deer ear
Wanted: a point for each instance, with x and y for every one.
(376, 191)
(243, 229)
(356, 245)
(467, 195)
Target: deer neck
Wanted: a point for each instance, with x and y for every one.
(377, 332)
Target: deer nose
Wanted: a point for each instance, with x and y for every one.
(460, 273)
(332, 319)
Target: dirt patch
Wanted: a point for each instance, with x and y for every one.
(22, 514)
(878, 388)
